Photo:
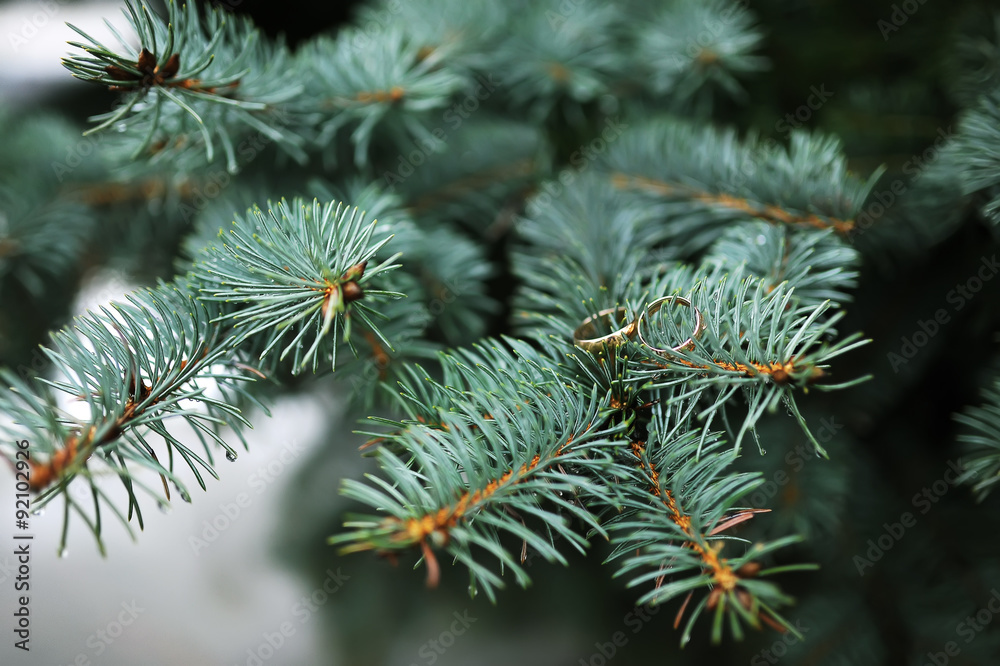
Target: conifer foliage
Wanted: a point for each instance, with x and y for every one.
(579, 139)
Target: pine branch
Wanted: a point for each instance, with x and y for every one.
(506, 447)
(688, 50)
(670, 534)
(981, 441)
(708, 178)
(757, 341)
(131, 366)
(197, 78)
(362, 88)
(296, 264)
(820, 266)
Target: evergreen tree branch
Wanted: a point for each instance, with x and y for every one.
(196, 79)
(296, 264)
(981, 441)
(133, 366)
(675, 540)
(485, 461)
(708, 178)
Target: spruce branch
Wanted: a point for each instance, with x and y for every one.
(708, 178)
(973, 154)
(529, 442)
(687, 50)
(975, 63)
(40, 237)
(389, 80)
(122, 372)
(472, 173)
(461, 33)
(44, 230)
(197, 78)
(670, 533)
(506, 447)
(818, 264)
(451, 285)
(553, 54)
(178, 351)
(757, 341)
(296, 264)
(981, 441)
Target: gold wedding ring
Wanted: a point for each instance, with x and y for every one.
(583, 336)
(654, 307)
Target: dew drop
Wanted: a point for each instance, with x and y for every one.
(163, 507)
(231, 456)
(184, 495)
(38, 512)
(761, 239)
(120, 127)
(63, 551)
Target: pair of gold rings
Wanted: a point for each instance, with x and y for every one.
(583, 335)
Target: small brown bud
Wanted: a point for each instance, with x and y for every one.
(352, 291)
(355, 272)
(119, 74)
(170, 68)
(146, 62)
